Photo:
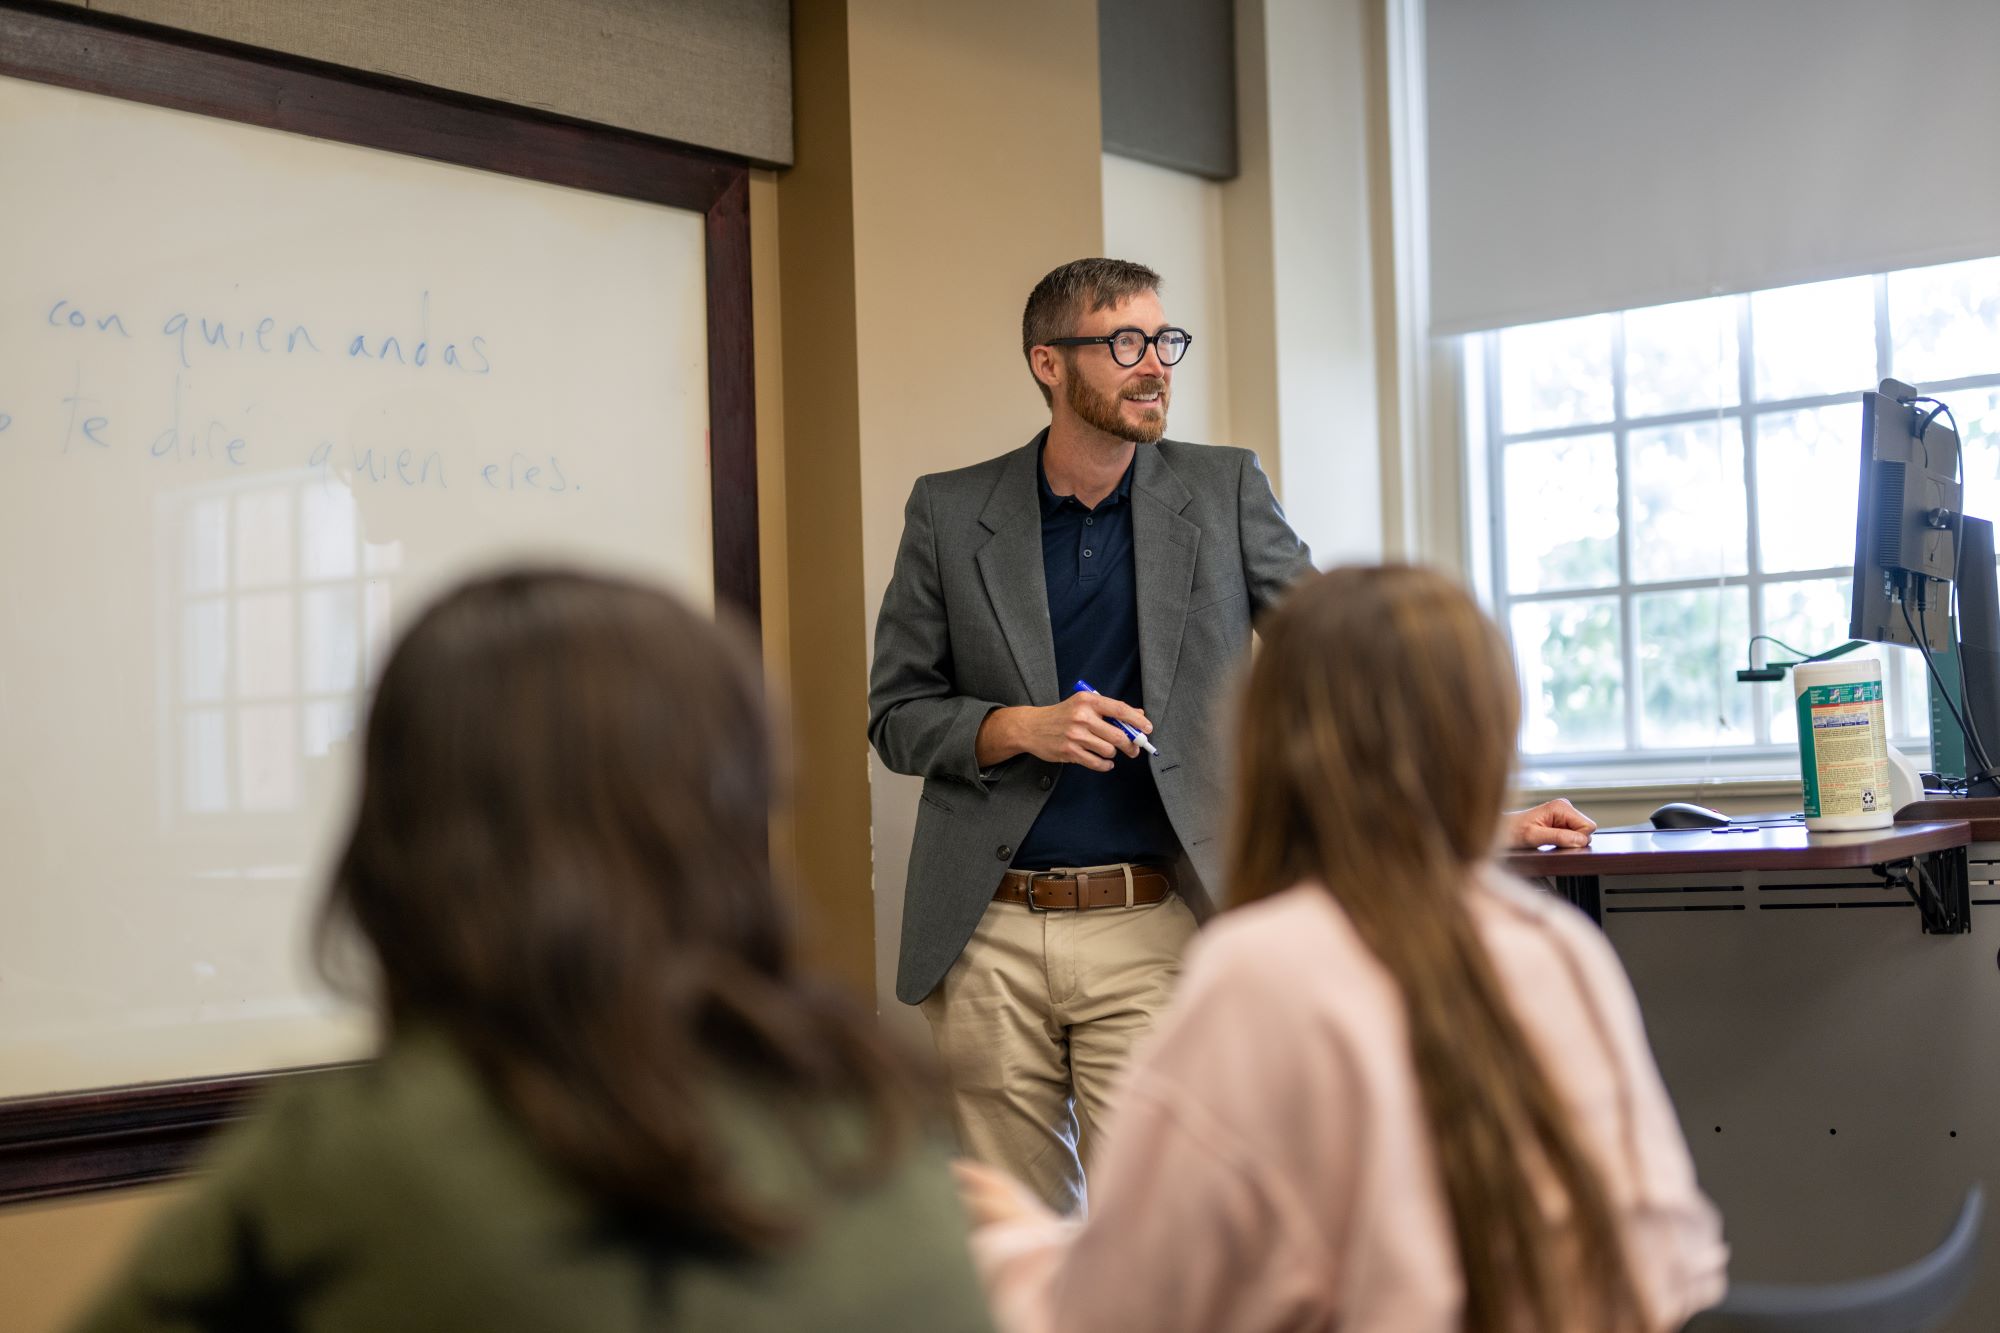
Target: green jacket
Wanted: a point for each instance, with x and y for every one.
(398, 1196)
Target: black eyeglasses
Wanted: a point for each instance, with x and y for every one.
(1128, 346)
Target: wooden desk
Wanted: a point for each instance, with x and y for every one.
(1927, 860)
(1982, 812)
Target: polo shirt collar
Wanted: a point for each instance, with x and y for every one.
(1052, 502)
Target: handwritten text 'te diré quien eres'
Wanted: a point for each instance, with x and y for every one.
(81, 422)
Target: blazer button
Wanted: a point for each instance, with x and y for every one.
(1047, 782)
(1004, 852)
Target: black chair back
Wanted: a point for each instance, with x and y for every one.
(1908, 1300)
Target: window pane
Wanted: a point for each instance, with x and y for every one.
(264, 645)
(1680, 358)
(205, 762)
(1810, 615)
(1688, 510)
(1815, 339)
(1571, 675)
(329, 531)
(382, 557)
(205, 651)
(376, 625)
(263, 538)
(1562, 514)
(1556, 374)
(1689, 645)
(267, 757)
(327, 725)
(1944, 322)
(1978, 414)
(207, 566)
(1910, 695)
(332, 640)
(1808, 471)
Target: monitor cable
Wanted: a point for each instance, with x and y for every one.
(1963, 711)
(1985, 772)
(1939, 408)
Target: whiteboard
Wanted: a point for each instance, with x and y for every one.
(261, 396)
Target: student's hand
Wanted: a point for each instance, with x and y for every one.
(1555, 821)
(1071, 732)
(991, 1195)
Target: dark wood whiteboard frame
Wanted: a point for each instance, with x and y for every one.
(102, 1138)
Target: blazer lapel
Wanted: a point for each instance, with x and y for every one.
(1164, 545)
(1010, 565)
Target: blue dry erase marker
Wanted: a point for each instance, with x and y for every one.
(1085, 687)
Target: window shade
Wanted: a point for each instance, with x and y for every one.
(1592, 155)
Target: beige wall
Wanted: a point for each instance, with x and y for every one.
(976, 170)
(1171, 221)
(1290, 268)
(1318, 113)
(54, 1255)
(943, 166)
(827, 661)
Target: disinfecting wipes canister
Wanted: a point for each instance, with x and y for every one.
(1843, 744)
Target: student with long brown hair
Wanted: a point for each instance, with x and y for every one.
(1396, 1091)
(606, 1098)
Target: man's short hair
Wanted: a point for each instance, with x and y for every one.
(1070, 292)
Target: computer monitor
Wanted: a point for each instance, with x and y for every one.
(1912, 543)
(1906, 521)
(1978, 660)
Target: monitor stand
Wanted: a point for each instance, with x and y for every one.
(1978, 633)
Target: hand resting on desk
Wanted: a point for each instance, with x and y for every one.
(1552, 822)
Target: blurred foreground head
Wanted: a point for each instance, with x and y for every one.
(1376, 740)
(1379, 724)
(560, 859)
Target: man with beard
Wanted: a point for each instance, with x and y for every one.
(1048, 609)
(1058, 868)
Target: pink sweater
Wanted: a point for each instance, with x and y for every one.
(1269, 1166)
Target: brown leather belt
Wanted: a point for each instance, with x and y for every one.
(1081, 888)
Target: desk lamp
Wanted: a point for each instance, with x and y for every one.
(1771, 671)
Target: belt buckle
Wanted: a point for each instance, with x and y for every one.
(1051, 873)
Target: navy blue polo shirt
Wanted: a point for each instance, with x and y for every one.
(1094, 818)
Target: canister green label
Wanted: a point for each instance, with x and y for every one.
(1843, 749)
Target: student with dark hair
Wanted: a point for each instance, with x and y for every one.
(606, 1097)
(1397, 1092)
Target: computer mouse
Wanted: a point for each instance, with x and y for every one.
(1682, 814)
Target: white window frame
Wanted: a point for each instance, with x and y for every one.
(1485, 448)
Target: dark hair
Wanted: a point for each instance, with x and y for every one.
(560, 860)
(1068, 293)
(1378, 730)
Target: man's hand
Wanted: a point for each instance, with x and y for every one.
(1071, 732)
(1555, 821)
(990, 1195)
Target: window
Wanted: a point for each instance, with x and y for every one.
(281, 613)
(1667, 482)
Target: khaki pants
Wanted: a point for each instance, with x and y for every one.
(1034, 1024)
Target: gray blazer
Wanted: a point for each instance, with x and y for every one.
(964, 629)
